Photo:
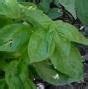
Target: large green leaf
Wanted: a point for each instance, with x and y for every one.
(41, 45)
(67, 59)
(46, 71)
(82, 10)
(71, 33)
(14, 37)
(10, 8)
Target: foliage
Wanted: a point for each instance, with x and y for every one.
(82, 12)
(32, 43)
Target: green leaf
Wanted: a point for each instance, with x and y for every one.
(62, 43)
(41, 45)
(82, 10)
(54, 13)
(3, 64)
(3, 84)
(11, 76)
(10, 8)
(4, 21)
(24, 73)
(28, 84)
(45, 5)
(67, 59)
(30, 13)
(49, 74)
(27, 4)
(66, 80)
(46, 72)
(16, 75)
(14, 37)
(21, 0)
(71, 33)
(67, 30)
(69, 5)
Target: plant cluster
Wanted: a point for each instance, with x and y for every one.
(32, 44)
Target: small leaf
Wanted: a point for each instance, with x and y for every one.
(54, 13)
(45, 5)
(41, 46)
(71, 33)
